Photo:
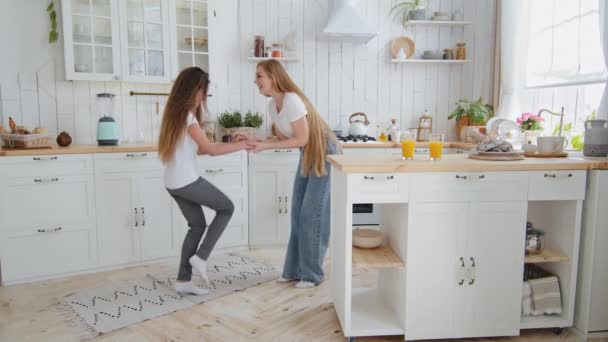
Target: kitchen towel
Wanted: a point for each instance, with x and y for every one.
(546, 297)
(100, 310)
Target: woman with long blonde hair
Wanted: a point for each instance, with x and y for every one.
(180, 141)
(298, 124)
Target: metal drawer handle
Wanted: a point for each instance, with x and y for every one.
(52, 230)
(390, 177)
(45, 158)
(472, 280)
(280, 207)
(46, 180)
(553, 175)
(461, 177)
(214, 171)
(280, 151)
(130, 155)
(136, 221)
(461, 281)
(466, 177)
(143, 217)
(368, 177)
(285, 204)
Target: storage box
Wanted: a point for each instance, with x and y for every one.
(26, 140)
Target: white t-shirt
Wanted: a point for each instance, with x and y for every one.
(183, 169)
(293, 109)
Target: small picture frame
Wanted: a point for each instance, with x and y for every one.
(425, 126)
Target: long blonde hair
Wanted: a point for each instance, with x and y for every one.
(315, 150)
(181, 101)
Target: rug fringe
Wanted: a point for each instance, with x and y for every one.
(83, 329)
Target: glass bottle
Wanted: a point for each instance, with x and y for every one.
(258, 50)
(461, 51)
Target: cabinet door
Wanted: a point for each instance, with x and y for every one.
(266, 212)
(155, 224)
(495, 244)
(116, 218)
(190, 34)
(145, 44)
(286, 189)
(91, 39)
(435, 269)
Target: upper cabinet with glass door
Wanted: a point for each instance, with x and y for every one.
(190, 33)
(145, 46)
(91, 43)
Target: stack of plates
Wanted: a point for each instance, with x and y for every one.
(432, 54)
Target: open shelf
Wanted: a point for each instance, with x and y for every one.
(280, 59)
(544, 321)
(380, 257)
(438, 22)
(545, 257)
(430, 61)
(371, 316)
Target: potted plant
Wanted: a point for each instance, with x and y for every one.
(233, 122)
(408, 10)
(530, 124)
(470, 114)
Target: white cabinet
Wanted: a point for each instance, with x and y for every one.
(134, 221)
(47, 216)
(272, 174)
(145, 46)
(229, 174)
(591, 316)
(91, 39)
(190, 24)
(465, 261)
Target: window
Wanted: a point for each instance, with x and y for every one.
(564, 44)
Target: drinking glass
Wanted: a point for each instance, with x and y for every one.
(408, 142)
(436, 146)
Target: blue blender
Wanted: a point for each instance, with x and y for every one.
(107, 127)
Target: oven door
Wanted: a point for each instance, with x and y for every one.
(366, 214)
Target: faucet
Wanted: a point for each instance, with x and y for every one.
(561, 119)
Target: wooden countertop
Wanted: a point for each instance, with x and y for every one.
(78, 149)
(461, 163)
(419, 144)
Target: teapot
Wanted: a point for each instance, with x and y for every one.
(596, 138)
(358, 126)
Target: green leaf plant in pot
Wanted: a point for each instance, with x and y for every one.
(470, 114)
(233, 123)
(403, 11)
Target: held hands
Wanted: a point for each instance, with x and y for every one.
(246, 145)
(252, 145)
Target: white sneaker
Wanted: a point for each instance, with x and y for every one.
(199, 266)
(305, 284)
(189, 288)
(285, 280)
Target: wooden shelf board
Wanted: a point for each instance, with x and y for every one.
(544, 321)
(545, 257)
(370, 316)
(430, 61)
(438, 22)
(381, 257)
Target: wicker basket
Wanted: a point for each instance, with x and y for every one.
(26, 140)
(531, 271)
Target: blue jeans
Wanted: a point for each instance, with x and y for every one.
(309, 237)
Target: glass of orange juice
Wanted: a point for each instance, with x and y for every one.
(408, 142)
(436, 146)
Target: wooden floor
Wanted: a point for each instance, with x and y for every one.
(268, 312)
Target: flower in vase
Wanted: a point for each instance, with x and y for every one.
(530, 122)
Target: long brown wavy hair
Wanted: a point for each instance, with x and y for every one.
(315, 150)
(181, 101)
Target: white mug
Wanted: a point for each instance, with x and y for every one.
(551, 144)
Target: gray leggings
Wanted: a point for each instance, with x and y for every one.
(190, 198)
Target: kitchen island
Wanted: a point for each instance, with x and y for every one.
(457, 226)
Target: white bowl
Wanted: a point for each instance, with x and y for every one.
(367, 238)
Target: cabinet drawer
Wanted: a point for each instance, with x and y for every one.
(127, 161)
(226, 159)
(278, 156)
(557, 185)
(42, 201)
(46, 165)
(54, 251)
(469, 186)
(378, 187)
(225, 178)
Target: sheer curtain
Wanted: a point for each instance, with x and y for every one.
(513, 29)
(603, 14)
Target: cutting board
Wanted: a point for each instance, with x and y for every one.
(546, 155)
(498, 158)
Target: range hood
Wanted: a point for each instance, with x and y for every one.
(347, 24)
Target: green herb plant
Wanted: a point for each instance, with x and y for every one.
(477, 112)
(53, 34)
(253, 120)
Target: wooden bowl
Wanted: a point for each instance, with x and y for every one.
(404, 42)
(367, 238)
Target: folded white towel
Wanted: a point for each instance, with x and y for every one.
(526, 300)
(546, 297)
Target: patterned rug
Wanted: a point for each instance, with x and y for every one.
(101, 310)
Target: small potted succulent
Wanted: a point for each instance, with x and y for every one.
(470, 115)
